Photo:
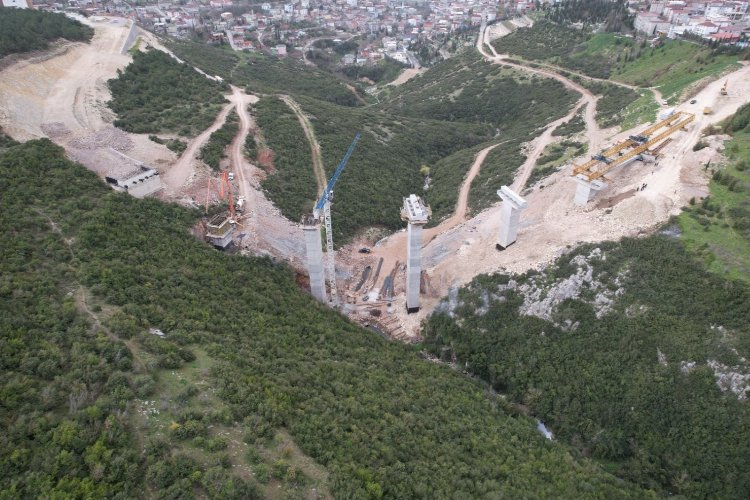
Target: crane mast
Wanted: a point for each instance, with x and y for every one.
(330, 261)
(324, 204)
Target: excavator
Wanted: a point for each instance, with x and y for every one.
(723, 90)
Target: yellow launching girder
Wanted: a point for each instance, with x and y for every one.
(586, 166)
(664, 123)
(610, 152)
(626, 143)
(618, 147)
(640, 149)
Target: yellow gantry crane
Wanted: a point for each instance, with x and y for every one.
(607, 160)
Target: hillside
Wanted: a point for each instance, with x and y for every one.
(156, 94)
(718, 227)
(261, 73)
(248, 387)
(672, 67)
(631, 352)
(24, 30)
(384, 168)
(466, 88)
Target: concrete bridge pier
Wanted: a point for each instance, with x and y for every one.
(586, 189)
(510, 215)
(314, 254)
(416, 214)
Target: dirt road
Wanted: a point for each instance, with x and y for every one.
(179, 173)
(317, 156)
(593, 132)
(406, 75)
(539, 144)
(265, 230)
(63, 95)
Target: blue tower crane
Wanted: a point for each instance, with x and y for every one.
(325, 204)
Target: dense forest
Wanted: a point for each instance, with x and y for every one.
(23, 30)
(291, 185)
(466, 88)
(156, 94)
(386, 166)
(613, 15)
(263, 73)
(631, 352)
(136, 358)
(383, 72)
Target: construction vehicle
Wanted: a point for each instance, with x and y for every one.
(324, 205)
(723, 90)
(707, 110)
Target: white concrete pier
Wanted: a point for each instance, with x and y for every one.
(510, 215)
(586, 189)
(417, 214)
(314, 253)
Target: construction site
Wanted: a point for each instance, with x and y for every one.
(632, 181)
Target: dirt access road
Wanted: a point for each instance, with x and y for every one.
(181, 172)
(456, 252)
(315, 152)
(264, 230)
(64, 95)
(593, 132)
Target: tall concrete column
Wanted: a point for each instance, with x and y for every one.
(586, 189)
(510, 215)
(413, 266)
(417, 214)
(314, 251)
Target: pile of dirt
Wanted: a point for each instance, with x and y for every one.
(108, 137)
(55, 130)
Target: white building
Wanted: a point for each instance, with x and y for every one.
(650, 23)
(19, 4)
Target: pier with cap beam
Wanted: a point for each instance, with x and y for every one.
(586, 189)
(416, 213)
(510, 215)
(314, 255)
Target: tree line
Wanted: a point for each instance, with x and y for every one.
(23, 30)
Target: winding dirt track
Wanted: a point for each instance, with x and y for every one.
(593, 132)
(240, 101)
(180, 172)
(315, 152)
